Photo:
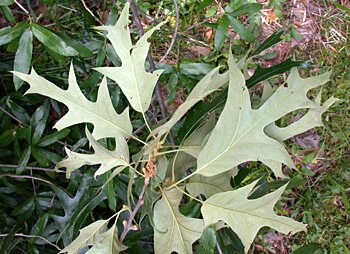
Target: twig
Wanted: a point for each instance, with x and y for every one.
(218, 247)
(137, 21)
(26, 177)
(31, 168)
(34, 236)
(10, 115)
(174, 35)
(138, 205)
(90, 12)
(23, 9)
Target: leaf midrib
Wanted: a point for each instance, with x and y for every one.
(243, 135)
(63, 94)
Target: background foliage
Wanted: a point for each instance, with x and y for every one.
(38, 203)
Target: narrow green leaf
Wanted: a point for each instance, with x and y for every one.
(172, 84)
(40, 157)
(6, 2)
(110, 193)
(342, 7)
(262, 74)
(212, 11)
(246, 9)
(207, 242)
(7, 14)
(23, 56)
(80, 47)
(23, 160)
(7, 137)
(8, 34)
(53, 138)
(269, 42)
(221, 33)
(203, 4)
(38, 121)
(307, 248)
(296, 34)
(52, 41)
(238, 27)
(195, 69)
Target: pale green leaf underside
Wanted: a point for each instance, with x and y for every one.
(173, 231)
(310, 120)
(107, 123)
(209, 186)
(109, 244)
(89, 235)
(246, 216)
(210, 83)
(131, 76)
(239, 134)
(108, 159)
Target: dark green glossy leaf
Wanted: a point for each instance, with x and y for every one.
(191, 209)
(81, 48)
(38, 121)
(61, 60)
(207, 242)
(6, 2)
(246, 9)
(23, 160)
(23, 56)
(24, 133)
(262, 74)
(110, 193)
(46, 156)
(212, 11)
(52, 138)
(7, 137)
(8, 34)
(296, 34)
(195, 69)
(307, 248)
(52, 41)
(19, 112)
(200, 112)
(7, 14)
(204, 4)
(40, 225)
(238, 27)
(112, 55)
(172, 84)
(221, 33)
(342, 7)
(24, 207)
(40, 157)
(270, 41)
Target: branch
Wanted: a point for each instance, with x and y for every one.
(33, 236)
(22, 8)
(174, 35)
(137, 20)
(128, 226)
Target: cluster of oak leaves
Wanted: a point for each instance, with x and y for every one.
(214, 150)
